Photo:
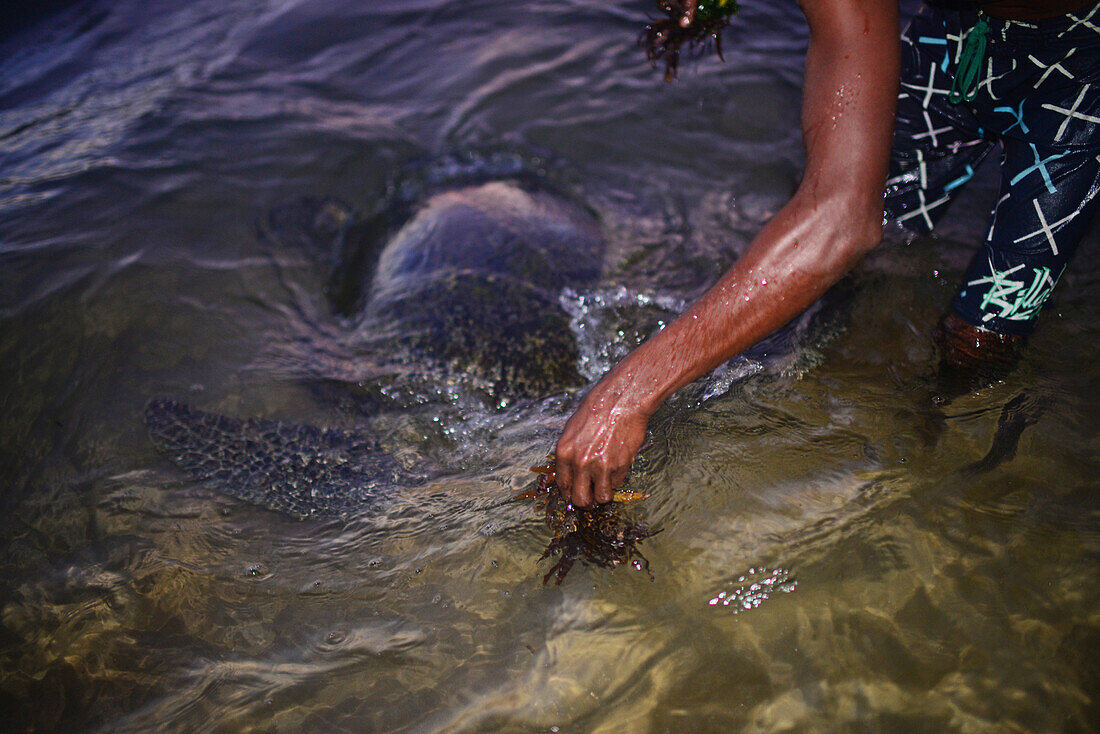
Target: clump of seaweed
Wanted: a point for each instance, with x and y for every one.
(664, 38)
(599, 535)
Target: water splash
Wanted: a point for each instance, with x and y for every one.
(609, 322)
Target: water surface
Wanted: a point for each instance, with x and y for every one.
(823, 564)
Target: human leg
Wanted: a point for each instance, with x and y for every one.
(1040, 97)
(937, 145)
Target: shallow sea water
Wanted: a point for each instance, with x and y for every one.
(824, 562)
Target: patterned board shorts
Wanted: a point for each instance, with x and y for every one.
(1038, 95)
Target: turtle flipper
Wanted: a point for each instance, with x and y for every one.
(297, 469)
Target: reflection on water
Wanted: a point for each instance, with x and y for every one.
(754, 588)
(810, 486)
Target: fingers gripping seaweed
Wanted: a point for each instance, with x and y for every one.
(664, 38)
(599, 536)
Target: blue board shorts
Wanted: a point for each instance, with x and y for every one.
(1038, 95)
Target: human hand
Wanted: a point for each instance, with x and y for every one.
(598, 445)
(689, 14)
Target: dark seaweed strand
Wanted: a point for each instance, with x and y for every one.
(663, 39)
(597, 536)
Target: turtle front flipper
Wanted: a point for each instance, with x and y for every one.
(297, 469)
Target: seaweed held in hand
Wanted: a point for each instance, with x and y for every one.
(664, 38)
(598, 535)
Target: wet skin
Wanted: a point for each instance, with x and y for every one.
(832, 221)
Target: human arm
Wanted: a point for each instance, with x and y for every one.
(833, 220)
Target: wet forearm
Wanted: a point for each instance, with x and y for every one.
(834, 218)
(793, 261)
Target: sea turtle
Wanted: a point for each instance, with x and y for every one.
(469, 281)
(474, 280)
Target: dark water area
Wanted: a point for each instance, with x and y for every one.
(824, 562)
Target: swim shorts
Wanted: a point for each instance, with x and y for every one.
(1038, 96)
